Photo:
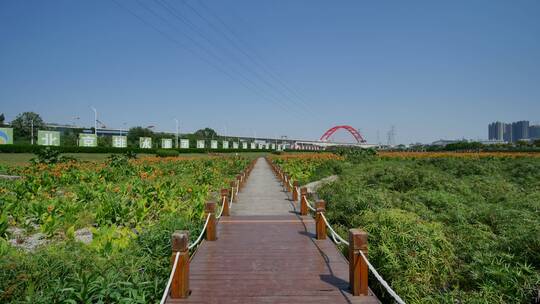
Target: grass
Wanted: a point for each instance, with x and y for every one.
(130, 207)
(442, 229)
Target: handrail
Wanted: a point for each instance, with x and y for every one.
(382, 281)
(309, 206)
(173, 270)
(171, 276)
(339, 240)
(223, 202)
(200, 235)
(234, 192)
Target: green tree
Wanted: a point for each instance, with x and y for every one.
(136, 132)
(536, 143)
(23, 122)
(206, 133)
(2, 119)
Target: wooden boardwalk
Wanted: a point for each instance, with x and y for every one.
(265, 253)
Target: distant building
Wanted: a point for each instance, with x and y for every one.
(534, 132)
(496, 130)
(507, 136)
(513, 132)
(520, 130)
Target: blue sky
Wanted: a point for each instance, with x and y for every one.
(433, 69)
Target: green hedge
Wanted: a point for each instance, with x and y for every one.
(73, 149)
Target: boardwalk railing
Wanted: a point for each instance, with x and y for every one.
(357, 243)
(178, 283)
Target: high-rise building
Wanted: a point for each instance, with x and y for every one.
(507, 136)
(534, 132)
(496, 130)
(520, 130)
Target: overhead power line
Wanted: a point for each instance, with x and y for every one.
(217, 66)
(262, 65)
(177, 15)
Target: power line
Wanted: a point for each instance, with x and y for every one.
(175, 13)
(211, 53)
(261, 65)
(193, 52)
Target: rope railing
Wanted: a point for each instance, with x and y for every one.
(201, 234)
(181, 247)
(175, 264)
(223, 202)
(339, 240)
(310, 206)
(171, 276)
(381, 280)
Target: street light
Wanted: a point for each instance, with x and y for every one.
(95, 120)
(32, 131)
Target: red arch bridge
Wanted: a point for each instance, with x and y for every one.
(325, 140)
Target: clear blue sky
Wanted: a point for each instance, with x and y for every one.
(434, 69)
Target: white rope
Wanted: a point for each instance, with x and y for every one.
(201, 235)
(175, 264)
(309, 206)
(223, 202)
(381, 280)
(334, 233)
(339, 240)
(166, 292)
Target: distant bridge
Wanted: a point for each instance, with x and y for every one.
(324, 142)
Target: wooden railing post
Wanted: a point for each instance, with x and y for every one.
(358, 269)
(303, 201)
(294, 192)
(180, 282)
(233, 191)
(225, 201)
(210, 208)
(319, 222)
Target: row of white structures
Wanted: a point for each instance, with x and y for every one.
(53, 138)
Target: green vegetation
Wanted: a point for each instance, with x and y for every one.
(103, 229)
(443, 230)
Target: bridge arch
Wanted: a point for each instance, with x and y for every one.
(353, 131)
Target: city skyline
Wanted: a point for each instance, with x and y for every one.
(514, 131)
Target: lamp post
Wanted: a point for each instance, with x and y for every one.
(32, 131)
(176, 120)
(95, 120)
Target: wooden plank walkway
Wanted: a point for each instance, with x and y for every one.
(268, 256)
